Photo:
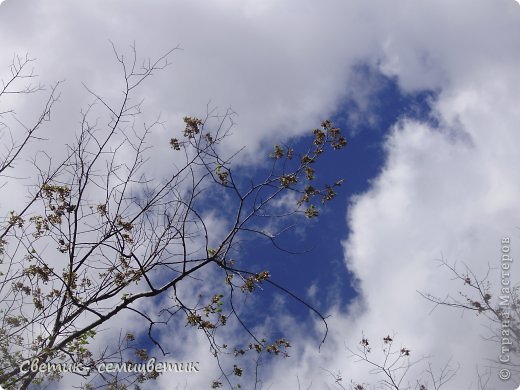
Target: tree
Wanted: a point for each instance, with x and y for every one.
(99, 234)
(391, 367)
(499, 305)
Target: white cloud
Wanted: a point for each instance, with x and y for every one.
(448, 191)
(444, 191)
(437, 197)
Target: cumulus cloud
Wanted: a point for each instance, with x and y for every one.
(448, 188)
(446, 191)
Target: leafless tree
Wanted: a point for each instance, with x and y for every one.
(391, 366)
(498, 304)
(100, 233)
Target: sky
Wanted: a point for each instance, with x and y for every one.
(427, 94)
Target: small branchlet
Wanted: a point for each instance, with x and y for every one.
(193, 126)
(302, 178)
(222, 174)
(252, 281)
(209, 316)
